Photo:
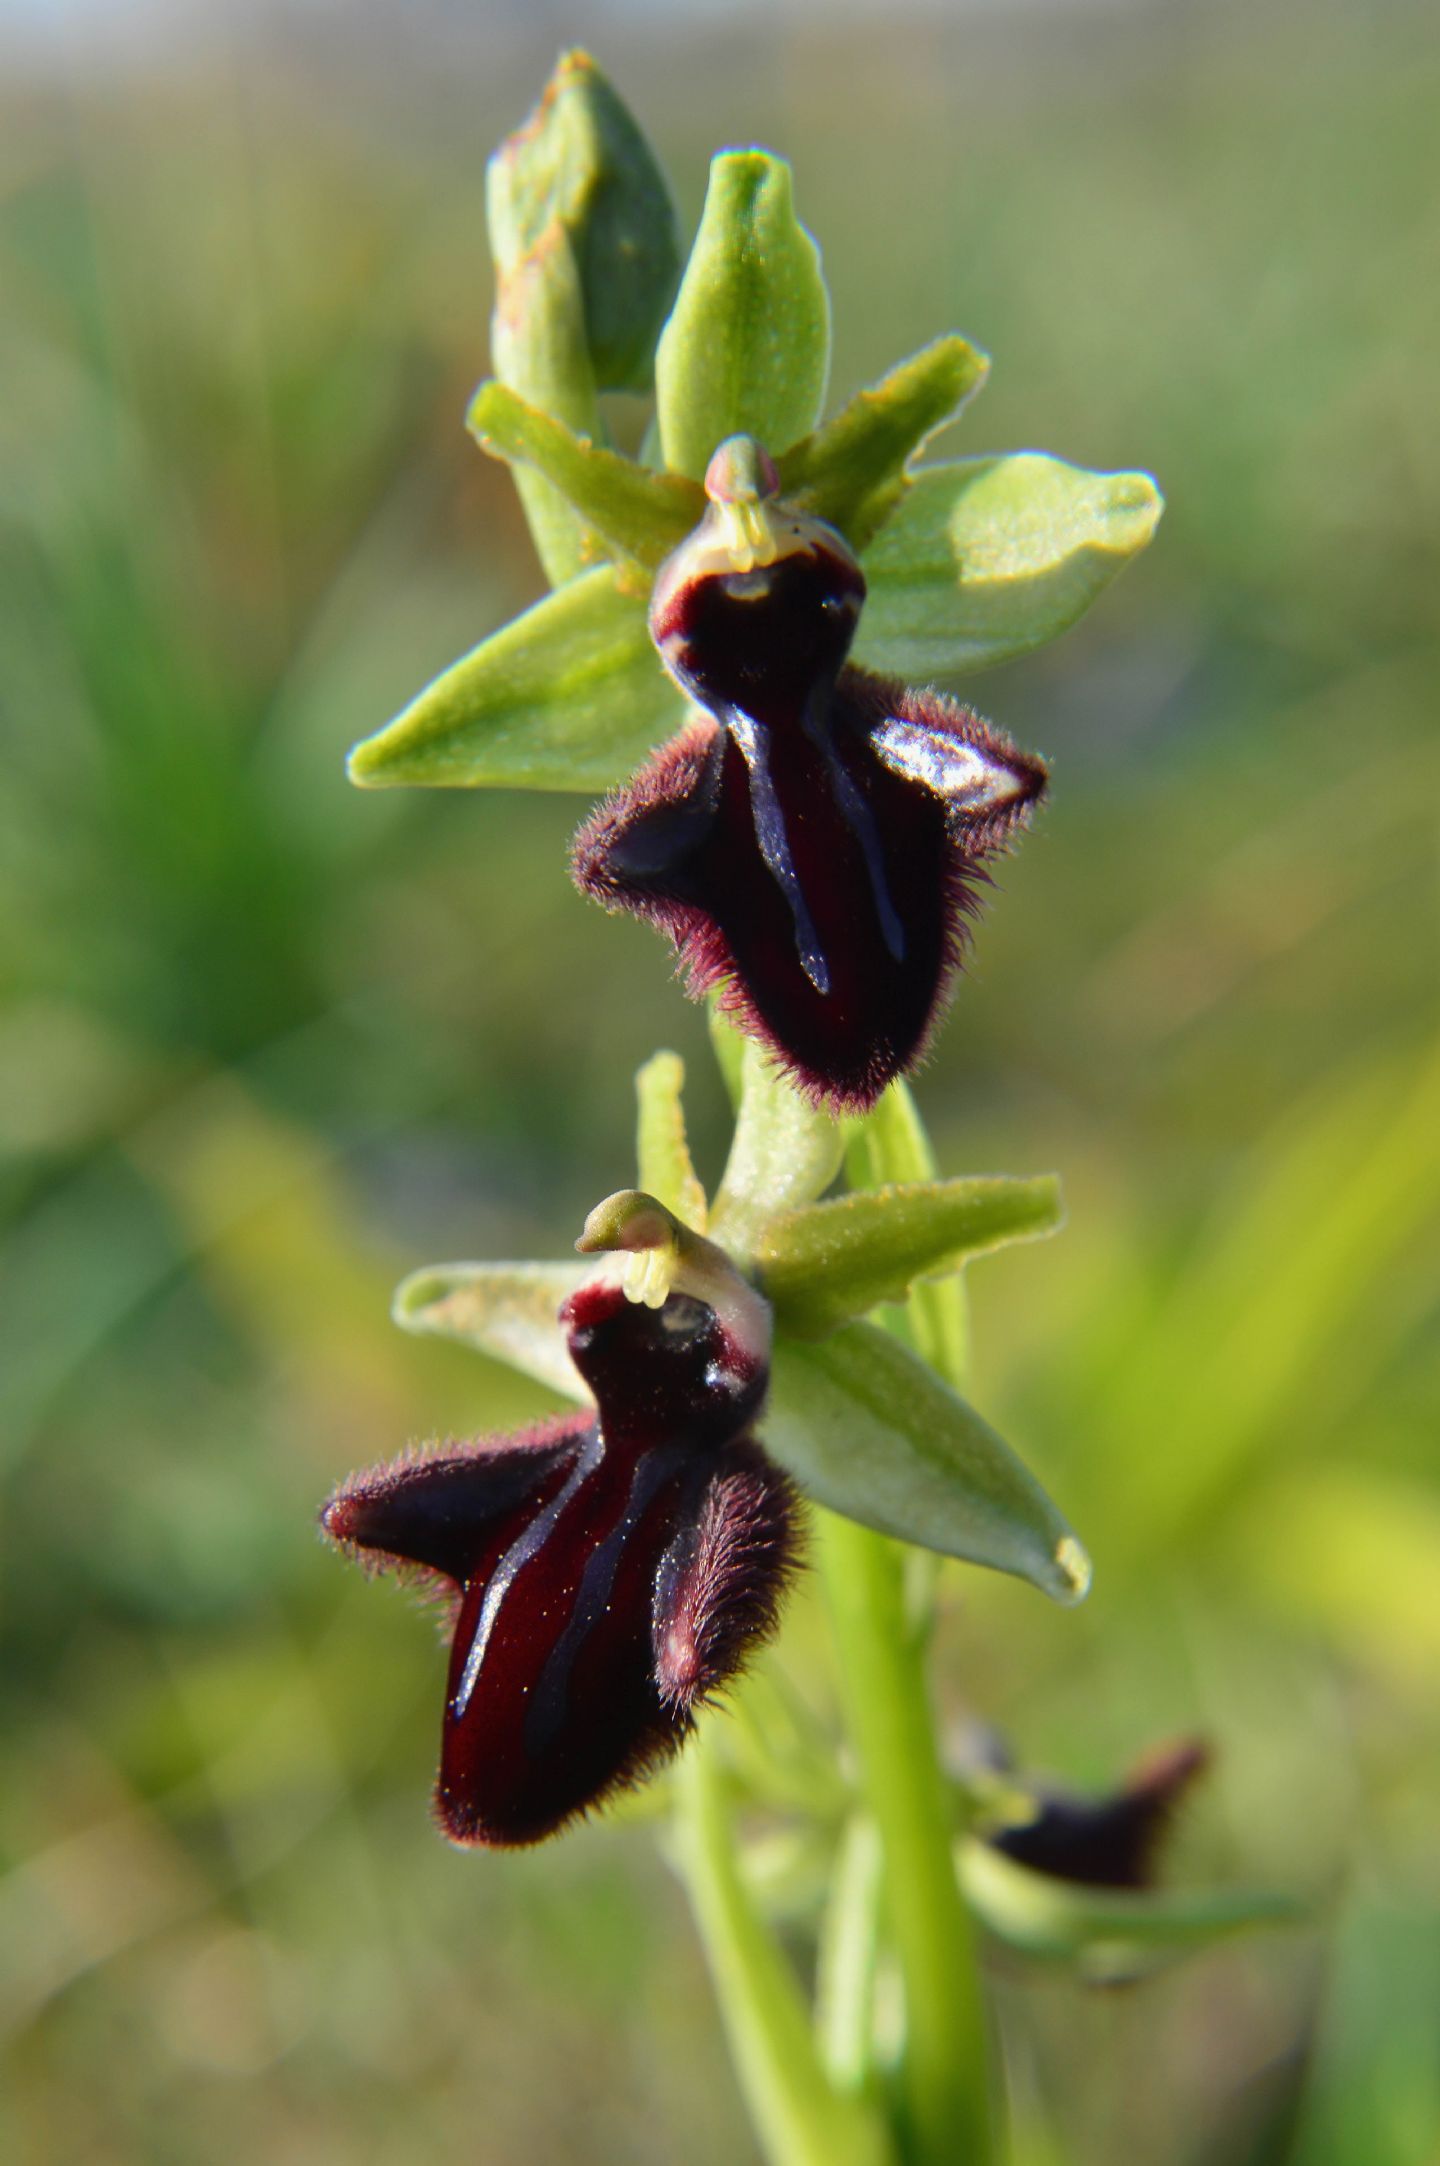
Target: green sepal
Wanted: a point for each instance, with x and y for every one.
(986, 558)
(746, 351)
(1110, 1933)
(638, 516)
(662, 1151)
(823, 1266)
(852, 470)
(507, 1310)
(569, 696)
(784, 1154)
(869, 1430)
(581, 165)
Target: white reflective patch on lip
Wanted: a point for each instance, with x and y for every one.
(961, 773)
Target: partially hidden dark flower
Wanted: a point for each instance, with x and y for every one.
(1111, 1841)
(816, 838)
(605, 1571)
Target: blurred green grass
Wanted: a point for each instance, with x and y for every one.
(266, 1043)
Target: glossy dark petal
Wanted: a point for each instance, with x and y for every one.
(608, 1571)
(1109, 1842)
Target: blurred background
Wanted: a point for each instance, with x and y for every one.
(267, 1043)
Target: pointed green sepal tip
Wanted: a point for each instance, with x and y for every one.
(570, 696)
(834, 1261)
(985, 559)
(506, 1310)
(662, 1149)
(853, 471)
(746, 351)
(581, 165)
(870, 1431)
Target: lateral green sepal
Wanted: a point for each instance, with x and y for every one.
(507, 1310)
(825, 1265)
(569, 696)
(868, 1430)
(983, 559)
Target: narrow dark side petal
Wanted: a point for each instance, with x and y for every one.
(719, 1591)
(444, 1509)
(1109, 1842)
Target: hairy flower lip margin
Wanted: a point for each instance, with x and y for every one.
(605, 1573)
(815, 840)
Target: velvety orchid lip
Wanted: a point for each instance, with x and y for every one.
(604, 1572)
(815, 841)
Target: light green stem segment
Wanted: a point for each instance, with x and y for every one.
(849, 1952)
(887, 1705)
(800, 2118)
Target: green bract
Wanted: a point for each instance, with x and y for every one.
(1108, 1933)
(967, 563)
(860, 1421)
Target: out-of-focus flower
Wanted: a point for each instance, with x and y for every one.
(1110, 1841)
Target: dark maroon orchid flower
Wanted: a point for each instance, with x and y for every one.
(815, 840)
(605, 1571)
(1109, 1842)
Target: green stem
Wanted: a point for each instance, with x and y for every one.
(846, 1962)
(882, 1648)
(888, 1710)
(799, 2117)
